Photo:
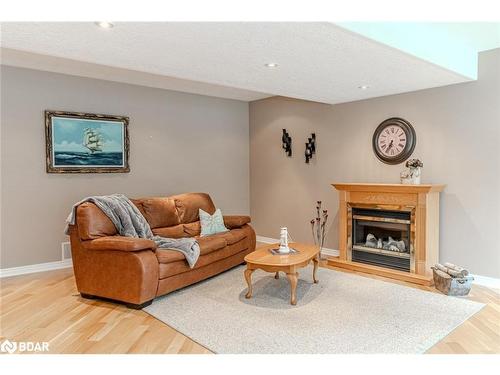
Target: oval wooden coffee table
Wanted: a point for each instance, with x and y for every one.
(263, 259)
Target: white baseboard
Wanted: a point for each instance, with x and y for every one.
(325, 251)
(330, 252)
(487, 281)
(267, 239)
(41, 267)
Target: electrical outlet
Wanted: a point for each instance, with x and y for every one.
(66, 250)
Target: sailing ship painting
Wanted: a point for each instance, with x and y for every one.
(92, 139)
(86, 143)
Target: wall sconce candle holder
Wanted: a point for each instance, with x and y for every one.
(310, 147)
(286, 142)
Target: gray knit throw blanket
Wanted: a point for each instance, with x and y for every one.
(129, 222)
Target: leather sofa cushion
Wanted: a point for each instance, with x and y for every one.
(236, 221)
(207, 245)
(233, 236)
(181, 266)
(188, 205)
(192, 229)
(92, 222)
(176, 231)
(159, 212)
(211, 243)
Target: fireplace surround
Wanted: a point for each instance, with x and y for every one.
(389, 229)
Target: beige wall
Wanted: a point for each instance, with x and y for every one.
(458, 139)
(178, 143)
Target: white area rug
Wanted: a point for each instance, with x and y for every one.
(344, 313)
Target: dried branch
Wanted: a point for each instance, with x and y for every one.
(312, 229)
(319, 226)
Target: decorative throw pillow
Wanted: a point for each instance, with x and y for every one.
(212, 224)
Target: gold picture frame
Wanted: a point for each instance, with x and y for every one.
(77, 142)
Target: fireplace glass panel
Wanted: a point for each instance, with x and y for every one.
(381, 237)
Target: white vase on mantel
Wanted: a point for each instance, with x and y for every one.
(412, 176)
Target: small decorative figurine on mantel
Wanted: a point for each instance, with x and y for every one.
(412, 175)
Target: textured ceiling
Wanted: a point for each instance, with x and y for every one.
(317, 61)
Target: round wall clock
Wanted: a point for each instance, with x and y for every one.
(394, 140)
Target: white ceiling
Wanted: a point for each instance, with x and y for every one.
(317, 61)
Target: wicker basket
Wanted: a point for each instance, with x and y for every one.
(451, 286)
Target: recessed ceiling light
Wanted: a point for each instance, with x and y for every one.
(364, 87)
(271, 65)
(105, 25)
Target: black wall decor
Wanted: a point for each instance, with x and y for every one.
(286, 142)
(310, 147)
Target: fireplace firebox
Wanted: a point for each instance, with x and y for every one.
(382, 237)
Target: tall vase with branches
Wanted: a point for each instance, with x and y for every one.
(318, 226)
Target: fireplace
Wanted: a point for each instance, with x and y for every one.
(390, 230)
(381, 237)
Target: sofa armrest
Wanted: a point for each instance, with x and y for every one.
(236, 221)
(119, 243)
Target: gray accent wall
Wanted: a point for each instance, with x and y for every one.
(178, 143)
(458, 140)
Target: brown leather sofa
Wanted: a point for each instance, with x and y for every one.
(133, 270)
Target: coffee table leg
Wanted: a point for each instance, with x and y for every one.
(277, 275)
(315, 264)
(248, 278)
(292, 277)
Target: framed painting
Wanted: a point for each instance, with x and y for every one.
(86, 143)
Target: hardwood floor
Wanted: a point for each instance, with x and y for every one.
(47, 307)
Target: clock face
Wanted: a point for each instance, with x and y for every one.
(394, 140)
